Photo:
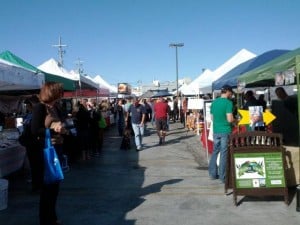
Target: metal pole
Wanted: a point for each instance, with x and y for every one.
(298, 102)
(176, 45)
(298, 198)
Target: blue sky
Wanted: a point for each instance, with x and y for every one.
(128, 40)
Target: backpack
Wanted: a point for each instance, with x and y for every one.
(26, 136)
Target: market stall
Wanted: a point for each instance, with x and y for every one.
(14, 78)
(17, 82)
(282, 71)
(16, 61)
(194, 116)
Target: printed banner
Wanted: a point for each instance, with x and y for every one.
(259, 170)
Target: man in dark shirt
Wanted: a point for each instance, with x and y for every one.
(290, 102)
(138, 113)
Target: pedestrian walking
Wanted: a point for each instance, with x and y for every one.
(161, 110)
(120, 116)
(138, 114)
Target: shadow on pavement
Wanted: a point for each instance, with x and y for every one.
(98, 191)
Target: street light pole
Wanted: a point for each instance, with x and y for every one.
(176, 45)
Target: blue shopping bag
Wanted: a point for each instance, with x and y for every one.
(52, 168)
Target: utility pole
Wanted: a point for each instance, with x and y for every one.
(61, 52)
(79, 64)
(176, 45)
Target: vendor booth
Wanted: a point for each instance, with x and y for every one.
(15, 84)
(16, 79)
(282, 71)
(16, 61)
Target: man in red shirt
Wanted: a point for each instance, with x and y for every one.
(161, 116)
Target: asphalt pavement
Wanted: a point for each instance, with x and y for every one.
(161, 185)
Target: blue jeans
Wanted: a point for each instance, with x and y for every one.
(138, 134)
(220, 146)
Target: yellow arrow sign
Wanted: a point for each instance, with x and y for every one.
(245, 117)
(268, 117)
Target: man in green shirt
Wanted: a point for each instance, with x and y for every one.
(222, 117)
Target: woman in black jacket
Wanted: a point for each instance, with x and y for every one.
(47, 114)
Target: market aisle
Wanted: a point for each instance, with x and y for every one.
(165, 185)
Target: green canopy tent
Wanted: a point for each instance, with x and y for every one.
(264, 76)
(69, 85)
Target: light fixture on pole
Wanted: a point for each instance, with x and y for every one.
(176, 45)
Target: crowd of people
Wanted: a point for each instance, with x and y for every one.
(79, 133)
(87, 120)
(139, 112)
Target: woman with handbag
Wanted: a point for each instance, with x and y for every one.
(47, 114)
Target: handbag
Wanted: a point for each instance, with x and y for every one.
(52, 168)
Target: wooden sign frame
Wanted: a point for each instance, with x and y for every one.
(256, 165)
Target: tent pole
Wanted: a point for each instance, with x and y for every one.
(298, 102)
(238, 106)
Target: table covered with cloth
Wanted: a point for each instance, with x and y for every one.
(12, 156)
(208, 144)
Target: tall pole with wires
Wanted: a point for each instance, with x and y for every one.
(176, 45)
(79, 64)
(61, 51)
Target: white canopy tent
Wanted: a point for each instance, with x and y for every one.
(203, 83)
(194, 87)
(240, 57)
(103, 84)
(15, 78)
(85, 79)
(53, 67)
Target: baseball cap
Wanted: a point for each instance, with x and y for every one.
(227, 88)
